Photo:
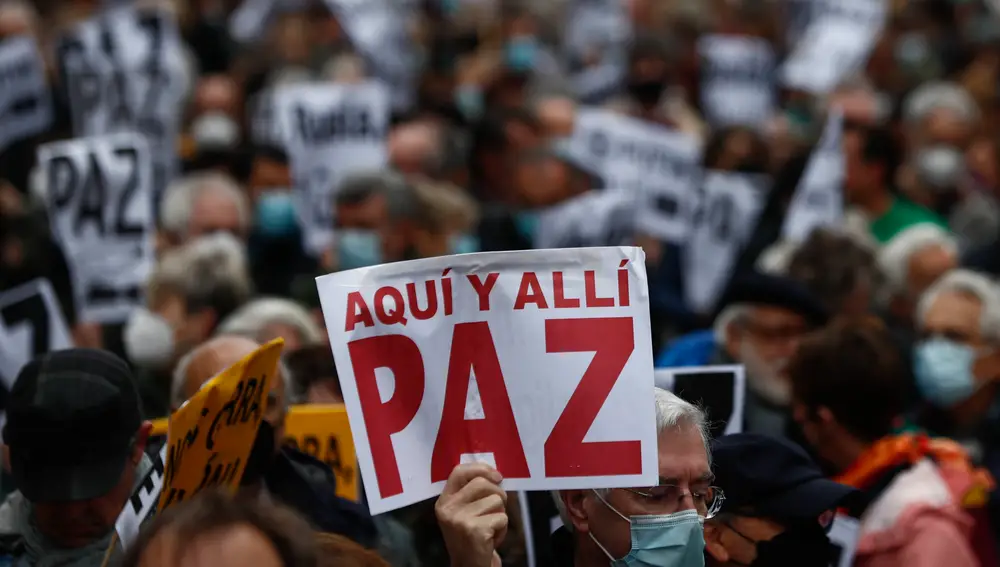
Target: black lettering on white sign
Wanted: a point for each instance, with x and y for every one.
(101, 203)
(31, 324)
(737, 80)
(719, 390)
(25, 102)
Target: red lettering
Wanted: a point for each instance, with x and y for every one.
(402, 356)
(590, 289)
(612, 341)
(530, 292)
(623, 293)
(446, 292)
(397, 314)
(483, 289)
(559, 294)
(432, 300)
(472, 349)
(357, 312)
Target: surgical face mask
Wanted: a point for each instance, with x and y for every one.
(275, 214)
(940, 167)
(149, 340)
(526, 223)
(215, 131)
(358, 249)
(469, 101)
(520, 53)
(765, 378)
(463, 244)
(912, 49)
(665, 540)
(943, 369)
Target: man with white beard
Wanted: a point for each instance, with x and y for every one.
(760, 324)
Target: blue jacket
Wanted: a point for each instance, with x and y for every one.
(692, 349)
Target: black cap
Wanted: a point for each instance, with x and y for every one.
(772, 478)
(776, 291)
(72, 416)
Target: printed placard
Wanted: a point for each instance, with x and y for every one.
(142, 502)
(596, 42)
(100, 202)
(323, 432)
(537, 362)
(25, 101)
(729, 208)
(31, 324)
(331, 131)
(657, 165)
(211, 435)
(719, 390)
(737, 80)
(819, 198)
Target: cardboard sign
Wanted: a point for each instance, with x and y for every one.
(100, 201)
(737, 80)
(538, 362)
(331, 131)
(211, 435)
(25, 102)
(659, 166)
(323, 432)
(142, 502)
(719, 390)
(819, 198)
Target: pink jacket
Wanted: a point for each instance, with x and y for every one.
(917, 522)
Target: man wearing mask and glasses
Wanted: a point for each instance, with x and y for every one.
(776, 497)
(658, 526)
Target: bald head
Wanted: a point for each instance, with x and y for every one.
(208, 360)
(413, 146)
(557, 115)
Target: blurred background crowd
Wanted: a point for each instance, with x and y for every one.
(478, 156)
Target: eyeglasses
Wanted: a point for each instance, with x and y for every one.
(707, 501)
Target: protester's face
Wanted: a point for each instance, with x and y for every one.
(557, 116)
(723, 540)
(293, 339)
(217, 93)
(943, 126)
(954, 316)
(541, 180)
(370, 214)
(860, 179)
(683, 462)
(189, 329)
(214, 211)
(324, 391)
(268, 174)
(764, 340)
(234, 546)
(927, 266)
(411, 146)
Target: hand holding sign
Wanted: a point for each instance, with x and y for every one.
(472, 514)
(210, 437)
(512, 358)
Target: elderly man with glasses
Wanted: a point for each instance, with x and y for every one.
(644, 526)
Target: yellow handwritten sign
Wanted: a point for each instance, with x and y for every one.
(323, 432)
(159, 427)
(209, 438)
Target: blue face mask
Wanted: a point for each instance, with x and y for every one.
(527, 224)
(520, 53)
(463, 244)
(469, 101)
(358, 249)
(667, 540)
(275, 214)
(943, 369)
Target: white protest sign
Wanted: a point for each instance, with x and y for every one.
(31, 324)
(538, 362)
(844, 534)
(125, 71)
(142, 502)
(657, 165)
(730, 206)
(721, 390)
(25, 102)
(737, 80)
(378, 30)
(595, 44)
(837, 42)
(100, 201)
(595, 218)
(331, 130)
(819, 199)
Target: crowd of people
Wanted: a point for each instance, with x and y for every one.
(871, 346)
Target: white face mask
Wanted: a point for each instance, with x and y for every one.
(765, 378)
(149, 339)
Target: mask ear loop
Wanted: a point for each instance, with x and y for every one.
(620, 515)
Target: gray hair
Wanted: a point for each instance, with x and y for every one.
(401, 201)
(180, 197)
(179, 377)
(970, 283)
(731, 314)
(672, 413)
(251, 319)
(895, 256)
(208, 272)
(939, 95)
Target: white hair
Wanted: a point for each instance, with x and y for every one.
(939, 95)
(251, 319)
(727, 317)
(971, 283)
(180, 197)
(672, 413)
(895, 256)
(210, 271)
(179, 378)
(776, 257)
